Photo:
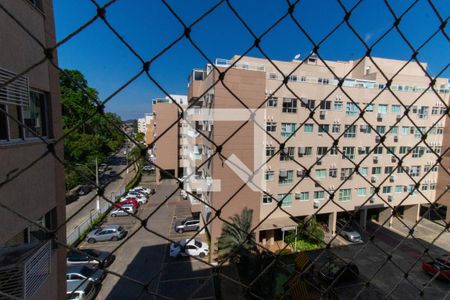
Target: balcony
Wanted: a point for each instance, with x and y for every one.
(23, 269)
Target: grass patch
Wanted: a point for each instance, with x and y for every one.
(305, 245)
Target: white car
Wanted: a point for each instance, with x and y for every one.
(140, 197)
(188, 248)
(140, 189)
(141, 200)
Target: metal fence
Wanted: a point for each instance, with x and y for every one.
(298, 286)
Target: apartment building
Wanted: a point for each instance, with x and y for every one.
(166, 135)
(32, 180)
(320, 104)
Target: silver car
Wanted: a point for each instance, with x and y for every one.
(123, 211)
(108, 233)
(81, 290)
(82, 272)
(348, 231)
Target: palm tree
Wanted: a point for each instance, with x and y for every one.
(237, 239)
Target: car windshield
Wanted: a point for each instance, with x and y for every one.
(92, 252)
(198, 244)
(86, 271)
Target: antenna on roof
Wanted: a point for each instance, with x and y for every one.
(297, 56)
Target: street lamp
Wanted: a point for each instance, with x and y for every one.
(96, 180)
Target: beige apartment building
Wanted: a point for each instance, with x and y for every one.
(308, 138)
(32, 183)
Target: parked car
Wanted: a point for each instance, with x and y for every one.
(91, 257)
(440, 265)
(188, 224)
(188, 247)
(348, 231)
(81, 290)
(131, 201)
(82, 272)
(107, 233)
(123, 211)
(338, 270)
(84, 189)
(148, 168)
(143, 190)
(136, 194)
(139, 200)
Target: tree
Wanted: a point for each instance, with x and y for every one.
(237, 240)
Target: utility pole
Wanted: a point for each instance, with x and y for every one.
(96, 182)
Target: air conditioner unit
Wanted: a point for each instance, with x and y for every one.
(379, 116)
(372, 200)
(375, 159)
(390, 198)
(393, 159)
(319, 162)
(392, 178)
(395, 138)
(377, 139)
(398, 117)
(373, 179)
(316, 203)
(405, 188)
(322, 114)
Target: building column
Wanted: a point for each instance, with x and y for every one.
(363, 218)
(332, 223)
(385, 214)
(270, 236)
(411, 212)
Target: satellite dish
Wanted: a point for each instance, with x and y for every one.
(297, 56)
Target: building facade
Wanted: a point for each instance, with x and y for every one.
(32, 180)
(321, 103)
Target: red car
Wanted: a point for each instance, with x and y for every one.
(441, 265)
(128, 201)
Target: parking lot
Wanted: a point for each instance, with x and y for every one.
(144, 255)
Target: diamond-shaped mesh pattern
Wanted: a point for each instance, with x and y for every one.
(331, 195)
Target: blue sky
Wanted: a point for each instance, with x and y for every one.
(149, 27)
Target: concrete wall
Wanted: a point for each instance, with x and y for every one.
(444, 170)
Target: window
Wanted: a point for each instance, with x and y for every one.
(423, 112)
(308, 128)
(346, 173)
(435, 110)
(289, 105)
(388, 169)
(325, 104)
(286, 177)
(308, 103)
(351, 109)
(336, 128)
(382, 108)
(394, 130)
(414, 171)
(287, 129)
(286, 200)
(333, 151)
(363, 150)
(396, 109)
(36, 3)
(378, 150)
(399, 188)
(338, 105)
(381, 129)
(272, 102)
(376, 170)
(270, 151)
(268, 175)
(302, 196)
(321, 173)
(271, 126)
(361, 192)
(266, 199)
(304, 151)
(350, 131)
(369, 107)
(287, 154)
(404, 149)
(11, 130)
(424, 187)
(318, 195)
(324, 128)
(365, 129)
(364, 171)
(345, 194)
(418, 152)
(321, 151)
(387, 189)
(405, 130)
(35, 116)
(349, 152)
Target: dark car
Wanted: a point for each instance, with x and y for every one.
(89, 257)
(338, 270)
(440, 265)
(84, 190)
(188, 224)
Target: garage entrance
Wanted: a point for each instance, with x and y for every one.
(167, 174)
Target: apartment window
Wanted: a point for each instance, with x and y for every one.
(271, 126)
(396, 109)
(363, 150)
(381, 129)
(378, 150)
(435, 110)
(268, 175)
(266, 199)
(365, 129)
(346, 173)
(364, 171)
(302, 196)
(349, 152)
(424, 187)
(293, 77)
(272, 76)
(390, 150)
(318, 195)
(325, 104)
(382, 108)
(321, 173)
(336, 128)
(440, 130)
(361, 192)
(272, 102)
(308, 128)
(432, 186)
(321, 151)
(405, 130)
(414, 171)
(418, 152)
(332, 172)
(289, 105)
(287, 154)
(387, 189)
(369, 107)
(351, 109)
(308, 103)
(324, 128)
(393, 130)
(10, 130)
(423, 112)
(376, 170)
(399, 188)
(404, 149)
(270, 151)
(333, 151)
(304, 151)
(287, 129)
(36, 3)
(286, 177)
(350, 131)
(388, 169)
(338, 105)
(345, 194)
(286, 200)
